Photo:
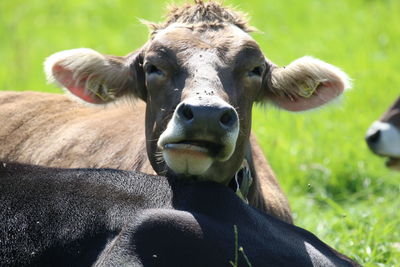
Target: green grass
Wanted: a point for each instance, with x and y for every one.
(336, 187)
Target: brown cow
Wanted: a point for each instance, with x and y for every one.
(199, 74)
(383, 136)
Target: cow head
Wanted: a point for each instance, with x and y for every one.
(383, 136)
(200, 74)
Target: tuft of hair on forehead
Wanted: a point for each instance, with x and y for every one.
(202, 13)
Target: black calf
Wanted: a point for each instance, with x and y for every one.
(104, 217)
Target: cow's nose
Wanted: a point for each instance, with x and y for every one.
(373, 137)
(223, 116)
(227, 116)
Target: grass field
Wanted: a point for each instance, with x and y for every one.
(336, 187)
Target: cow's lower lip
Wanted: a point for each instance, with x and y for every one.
(189, 158)
(196, 146)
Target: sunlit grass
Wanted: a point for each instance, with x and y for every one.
(336, 187)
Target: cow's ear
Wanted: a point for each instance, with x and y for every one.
(94, 77)
(304, 84)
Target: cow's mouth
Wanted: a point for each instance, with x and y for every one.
(211, 149)
(191, 157)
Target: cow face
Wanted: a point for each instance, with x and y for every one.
(383, 136)
(205, 85)
(200, 82)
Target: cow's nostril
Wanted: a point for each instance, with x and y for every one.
(228, 118)
(186, 112)
(374, 137)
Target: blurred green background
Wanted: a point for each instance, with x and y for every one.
(336, 187)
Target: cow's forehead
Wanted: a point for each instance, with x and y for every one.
(180, 38)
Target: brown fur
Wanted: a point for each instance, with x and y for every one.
(53, 130)
(269, 196)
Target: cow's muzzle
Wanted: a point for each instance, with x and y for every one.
(199, 134)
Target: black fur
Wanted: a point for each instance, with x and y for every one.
(105, 217)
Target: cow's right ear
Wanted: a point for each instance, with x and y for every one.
(94, 77)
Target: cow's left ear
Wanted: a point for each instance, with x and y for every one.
(94, 77)
(304, 84)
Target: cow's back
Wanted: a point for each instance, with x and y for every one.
(55, 131)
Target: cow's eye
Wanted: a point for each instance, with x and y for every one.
(152, 69)
(256, 72)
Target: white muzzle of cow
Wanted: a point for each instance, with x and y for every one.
(198, 136)
(384, 139)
